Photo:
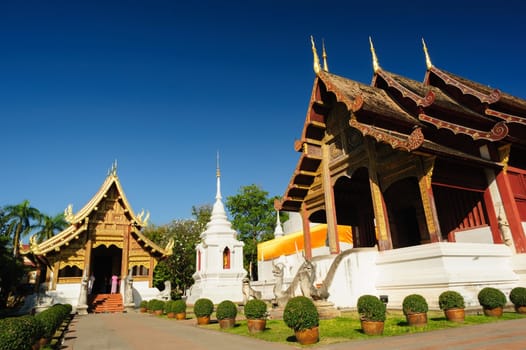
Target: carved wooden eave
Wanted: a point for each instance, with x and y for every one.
(395, 139)
(451, 80)
(498, 132)
(420, 101)
(111, 180)
(150, 246)
(55, 243)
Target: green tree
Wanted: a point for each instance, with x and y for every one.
(22, 218)
(11, 270)
(49, 225)
(180, 266)
(254, 217)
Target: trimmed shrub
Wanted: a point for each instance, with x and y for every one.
(169, 306)
(226, 309)
(450, 300)
(371, 308)
(179, 306)
(518, 296)
(203, 307)
(255, 309)
(414, 303)
(491, 298)
(156, 305)
(144, 304)
(300, 313)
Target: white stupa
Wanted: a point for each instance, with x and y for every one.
(219, 259)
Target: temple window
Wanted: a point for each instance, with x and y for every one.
(226, 258)
(140, 270)
(70, 271)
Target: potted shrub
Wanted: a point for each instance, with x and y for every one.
(143, 306)
(226, 313)
(256, 313)
(415, 310)
(156, 306)
(372, 314)
(169, 308)
(203, 308)
(518, 298)
(452, 303)
(179, 308)
(492, 301)
(301, 315)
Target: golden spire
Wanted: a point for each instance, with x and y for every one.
(376, 66)
(428, 59)
(324, 55)
(218, 172)
(316, 58)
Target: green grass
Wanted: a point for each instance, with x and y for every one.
(348, 328)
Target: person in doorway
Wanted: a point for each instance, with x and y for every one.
(114, 282)
(91, 282)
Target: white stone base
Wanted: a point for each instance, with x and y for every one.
(217, 287)
(430, 269)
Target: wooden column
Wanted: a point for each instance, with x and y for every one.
(150, 272)
(428, 202)
(512, 212)
(125, 253)
(307, 245)
(87, 255)
(330, 207)
(383, 233)
(56, 269)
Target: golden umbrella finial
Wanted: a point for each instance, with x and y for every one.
(324, 55)
(316, 58)
(428, 59)
(376, 66)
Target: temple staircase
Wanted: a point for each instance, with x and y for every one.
(106, 303)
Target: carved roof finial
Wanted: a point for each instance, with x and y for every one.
(428, 59)
(113, 169)
(324, 55)
(376, 66)
(316, 58)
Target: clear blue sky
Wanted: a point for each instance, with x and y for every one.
(161, 86)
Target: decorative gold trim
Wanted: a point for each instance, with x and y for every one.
(316, 64)
(504, 155)
(498, 132)
(420, 101)
(509, 118)
(324, 55)
(376, 65)
(426, 53)
(400, 141)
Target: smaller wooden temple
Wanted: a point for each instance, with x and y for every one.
(104, 239)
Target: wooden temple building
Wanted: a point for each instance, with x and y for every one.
(104, 239)
(410, 164)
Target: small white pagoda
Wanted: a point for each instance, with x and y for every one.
(219, 259)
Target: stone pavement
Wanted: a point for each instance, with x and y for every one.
(142, 331)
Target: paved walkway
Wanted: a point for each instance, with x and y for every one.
(135, 331)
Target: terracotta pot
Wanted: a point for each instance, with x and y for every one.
(520, 309)
(170, 315)
(158, 312)
(495, 312)
(455, 315)
(372, 327)
(257, 325)
(43, 341)
(308, 336)
(142, 309)
(201, 320)
(227, 323)
(418, 319)
(180, 316)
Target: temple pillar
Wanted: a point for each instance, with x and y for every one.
(381, 223)
(307, 245)
(509, 219)
(330, 207)
(150, 272)
(428, 201)
(125, 253)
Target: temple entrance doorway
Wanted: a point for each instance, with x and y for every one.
(106, 262)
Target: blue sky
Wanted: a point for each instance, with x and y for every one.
(161, 86)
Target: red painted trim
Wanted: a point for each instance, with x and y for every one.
(512, 212)
(492, 217)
